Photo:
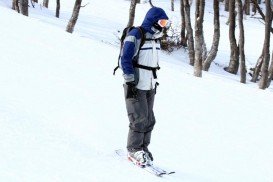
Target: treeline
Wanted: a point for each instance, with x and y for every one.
(21, 6)
(192, 36)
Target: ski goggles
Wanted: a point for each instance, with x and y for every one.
(164, 23)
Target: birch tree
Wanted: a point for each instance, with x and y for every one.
(132, 13)
(270, 77)
(172, 5)
(241, 42)
(216, 37)
(74, 17)
(199, 18)
(234, 52)
(24, 7)
(226, 5)
(58, 6)
(45, 3)
(183, 24)
(189, 31)
(247, 7)
(15, 5)
(268, 22)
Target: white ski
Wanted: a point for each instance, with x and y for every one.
(153, 169)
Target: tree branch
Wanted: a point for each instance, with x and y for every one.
(84, 5)
(260, 12)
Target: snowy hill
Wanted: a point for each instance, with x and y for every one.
(62, 112)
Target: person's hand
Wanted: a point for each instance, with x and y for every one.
(131, 90)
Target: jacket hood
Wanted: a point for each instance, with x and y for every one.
(153, 15)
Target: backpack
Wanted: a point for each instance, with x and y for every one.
(135, 59)
(123, 36)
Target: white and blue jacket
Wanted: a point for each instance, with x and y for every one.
(148, 54)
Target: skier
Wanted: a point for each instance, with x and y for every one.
(139, 62)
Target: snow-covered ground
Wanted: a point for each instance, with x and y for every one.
(62, 112)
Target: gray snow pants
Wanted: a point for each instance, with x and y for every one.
(141, 117)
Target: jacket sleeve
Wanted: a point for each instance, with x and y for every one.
(128, 52)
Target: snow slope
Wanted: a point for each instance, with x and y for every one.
(62, 113)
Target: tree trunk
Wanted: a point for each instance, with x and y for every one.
(189, 31)
(254, 9)
(24, 7)
(226, 5)
(216, 37)
(45, 3)
(15, 5)
(234, 52)
(257, 7)
(268, 22)
(172, 5)
(270, 77)
(58, 6)
(247, 7)
(241, 42)
(257, 69)
(183, 25)
(200, 6)
(74, 17)
(132, 13)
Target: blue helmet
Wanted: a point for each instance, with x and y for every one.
(153, 15)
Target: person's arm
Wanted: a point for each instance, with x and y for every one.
(128, 53)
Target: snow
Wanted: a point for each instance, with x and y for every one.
(62, 112)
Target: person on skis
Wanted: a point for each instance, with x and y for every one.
(139, 63)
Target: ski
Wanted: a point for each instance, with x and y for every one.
(153, 169)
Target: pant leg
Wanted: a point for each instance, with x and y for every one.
(137, 110)
(135, 140)
(151, 119)
(150, 103)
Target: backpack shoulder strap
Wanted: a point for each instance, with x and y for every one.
(142, 32)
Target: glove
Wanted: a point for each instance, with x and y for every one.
(131, 90)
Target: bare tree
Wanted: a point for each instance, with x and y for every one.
(189, 31)
(24, 7)
(226, 5)
(254, 10)
(132, 13)
(257, 7)
(247, 7)
(45, 3)
(74, 17)
(257, 69)
(241, 42)
(183, 24)
(268, 22)
(15, 5)
(172, 5)
(199, 18)
(216, 37)
(234, 52)
(270, 77)
(58, 6)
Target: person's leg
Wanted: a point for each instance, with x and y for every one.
(151, 118)
(137, 109)
(150, 126)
